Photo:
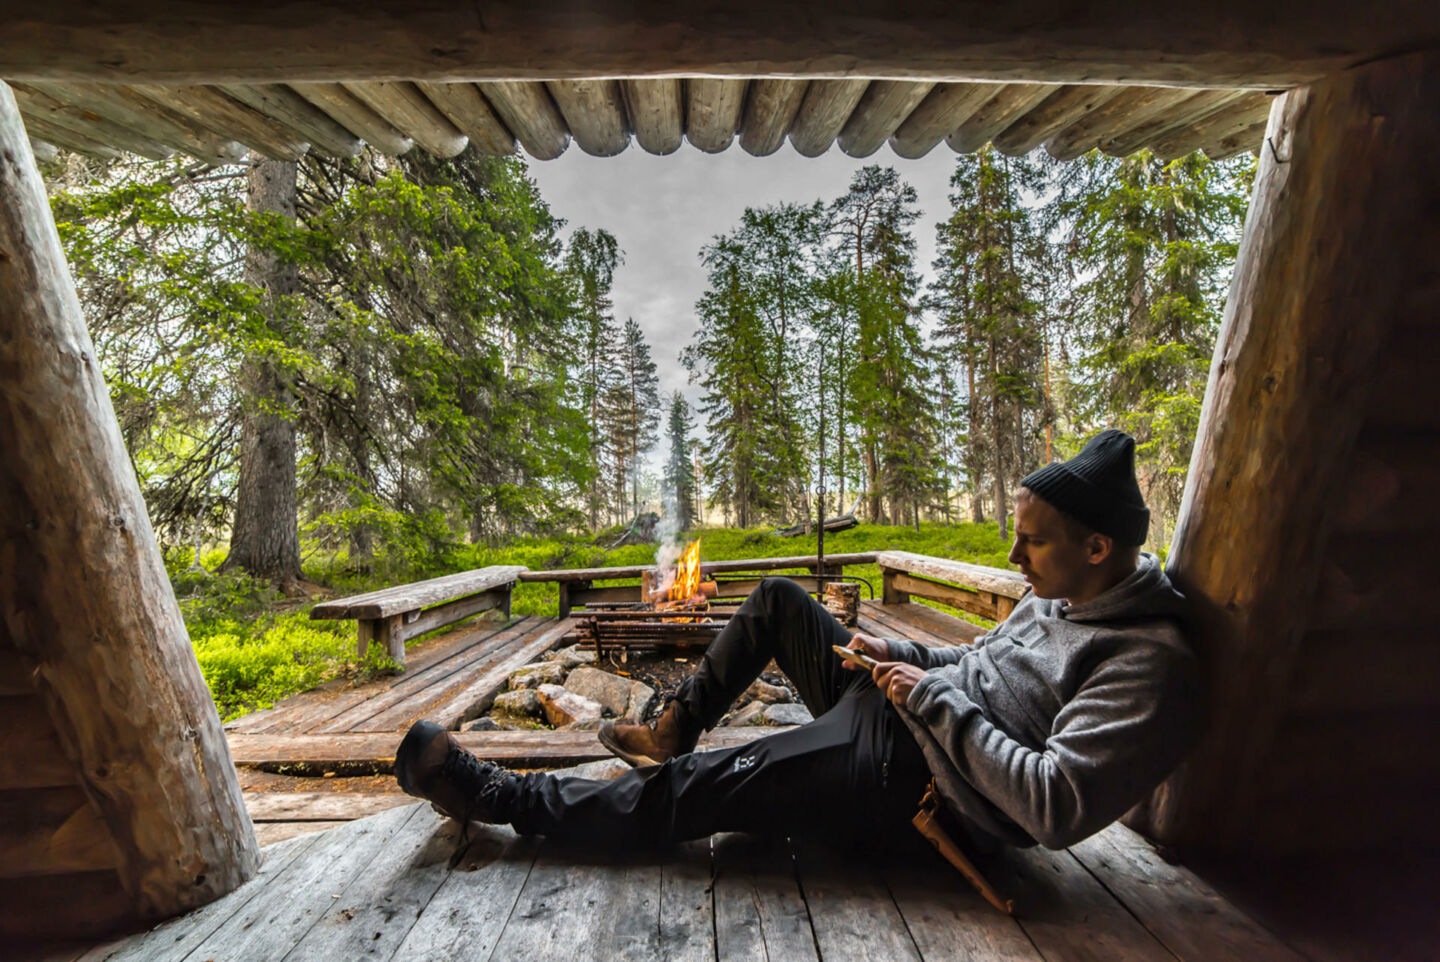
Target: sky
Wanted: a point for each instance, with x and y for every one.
(663, 210)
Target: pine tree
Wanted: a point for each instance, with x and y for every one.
(680, 482)
(592, 259)
(630, 414)
(1153, 242)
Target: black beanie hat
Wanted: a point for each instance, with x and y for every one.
(1097, 488)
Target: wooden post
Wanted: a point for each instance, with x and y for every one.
(1338, 249)
(892, 595)
(83, 590)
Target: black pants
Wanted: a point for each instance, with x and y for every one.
(856, 760)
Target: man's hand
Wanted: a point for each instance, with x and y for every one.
(897, 680)
(874, 647)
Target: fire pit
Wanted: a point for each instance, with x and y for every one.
(679, 612)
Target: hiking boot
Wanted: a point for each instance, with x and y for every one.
(673, 733)
(430, 764)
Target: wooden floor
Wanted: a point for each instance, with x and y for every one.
(381, 888)
(367, 875)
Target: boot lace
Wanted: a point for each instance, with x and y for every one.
(480, 782)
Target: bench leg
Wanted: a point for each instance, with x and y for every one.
(891, 594)
(383, 631)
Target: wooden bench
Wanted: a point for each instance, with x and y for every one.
(577, 584)
(390, 616)
(979, 589)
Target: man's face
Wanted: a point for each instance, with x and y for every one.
(1052, 559)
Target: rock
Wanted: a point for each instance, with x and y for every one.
(787, 715)
(533, 676)
(522, 702)
(517, 723)
(624, 697)
(486, 724)
(572, 657)
(768, 693)
(747, 716)
(563, 707)
(605, 770)
(584, 725)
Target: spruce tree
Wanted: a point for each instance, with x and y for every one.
(680, 465)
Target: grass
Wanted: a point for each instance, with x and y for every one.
(255, 648)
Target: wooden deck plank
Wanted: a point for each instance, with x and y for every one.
(467, 913)
(760, 912)
(1069, 915)
(463, 703)
(949, 920)
(687, 912)
(945, 629)
(1190, 918)
(407, 696)
(319, 806)
(309, 708)
(851, 911)
(377, 909)
(558, 910)
(897, 624)
(174, 940)
(270, 833)
(522, 749)
(271, 924)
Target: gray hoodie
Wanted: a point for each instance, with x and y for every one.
(1057, 722)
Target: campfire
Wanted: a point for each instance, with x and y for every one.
(674, 609)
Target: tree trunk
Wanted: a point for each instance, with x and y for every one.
(84, 595)
(1339, 253)
(265, 541)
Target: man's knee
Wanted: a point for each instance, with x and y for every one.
(782, 594)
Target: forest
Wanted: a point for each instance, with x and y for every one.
(364, 371)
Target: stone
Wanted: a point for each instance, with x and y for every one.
(485, 724)
(533, 676)
(562, 707)
(507, 722)
(583, 725)
(605, 770)
(768, 693)
(787, 715)
(522, 702)
(572, 657)
(747, 716)
(624, 697)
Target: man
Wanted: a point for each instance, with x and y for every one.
(1045, 730)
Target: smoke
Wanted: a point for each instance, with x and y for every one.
(671, 545)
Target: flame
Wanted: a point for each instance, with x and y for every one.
(687, 574)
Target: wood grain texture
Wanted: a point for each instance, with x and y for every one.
(687, 916)
(472, 115)
(530, 114)
(228, 117)
(949, 920)
(1063, 108)
(1191, 919)
(399, 599)
(123, 106)
(1009, 103)
(407, 110)
(823, 113)
(1335, 245)
(114, 666)
(713, 110)
(760, 911)
(595, 114)
(52, 831)
(285, 106)
(656, 109)
(770, 109)
(1008, 584)
(39, 105)
(1127, 109)
(1272, 45)
(946, 107)
(1189, 111)
(850, 912)
(881, 110)
(356, 116)
(1241, 114)
(62, 137)
(319, 806)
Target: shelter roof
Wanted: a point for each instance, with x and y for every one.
(219, 122)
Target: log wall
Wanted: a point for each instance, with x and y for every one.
(1308, 530)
